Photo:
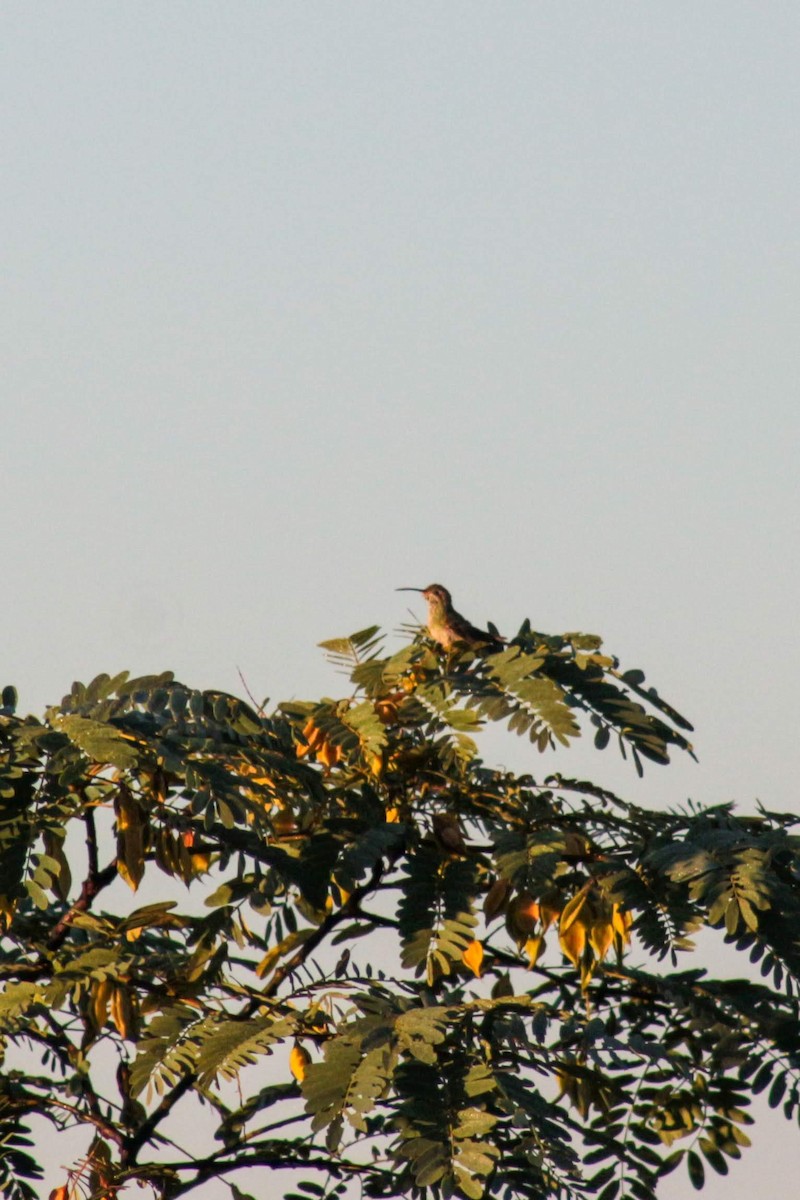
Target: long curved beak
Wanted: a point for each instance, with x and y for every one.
(409, 589)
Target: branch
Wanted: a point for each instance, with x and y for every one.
(346, 912)
(148, 1127)
(94, 882)
(134, 1143)
(274, 1154)
(59, 1045)
(105, 1127)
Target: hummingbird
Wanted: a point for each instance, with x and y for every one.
(448, 627)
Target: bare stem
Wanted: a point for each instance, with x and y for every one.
(94, 882)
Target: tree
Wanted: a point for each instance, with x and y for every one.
(383, 966)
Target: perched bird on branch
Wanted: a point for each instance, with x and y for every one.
(448, 627)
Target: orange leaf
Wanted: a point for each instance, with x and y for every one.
(473, 957)
(313, 737)
(298, 1061)
(523, 914)
(328, 754)
(200, 862)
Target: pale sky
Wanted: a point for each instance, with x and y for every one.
(302, 303)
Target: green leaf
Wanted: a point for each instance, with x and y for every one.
(102, 743)
(602, 737)
(697, 1175)
(777, 1091)
(713, 1156)
(610, 1191)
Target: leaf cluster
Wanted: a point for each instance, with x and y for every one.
(374, 959)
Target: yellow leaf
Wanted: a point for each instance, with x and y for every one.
(130, 838)
(572, 910)
(392, 816)
(317, 744)
(283, 947)
(255, 774)
(601, 935)
(298, 1061)
(587, 971)
(603, 660)
(122, 1011)
(550, 907)
(101, 996)
(622, 921)
(130, 879)
(573, 940)
(7, 908)
(533, 948)
(328, 754)
(567, 1083)
(312, 736)
(316, 1026)
(473, 957)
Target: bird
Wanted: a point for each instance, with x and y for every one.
(446, 626)
(447, 833)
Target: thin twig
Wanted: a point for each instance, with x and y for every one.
(94, 882)
(258, 707)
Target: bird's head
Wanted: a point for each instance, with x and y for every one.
(437, 594)
(434, 593)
